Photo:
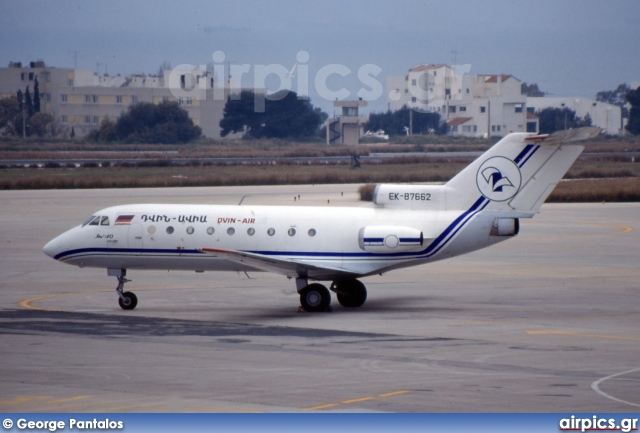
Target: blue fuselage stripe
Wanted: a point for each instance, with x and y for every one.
(433, 248)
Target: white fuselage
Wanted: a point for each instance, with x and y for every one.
(162, 236)
(407, 225)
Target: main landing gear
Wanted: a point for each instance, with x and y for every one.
(127, 300)
(315, 297)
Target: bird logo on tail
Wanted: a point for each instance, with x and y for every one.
(499, 178)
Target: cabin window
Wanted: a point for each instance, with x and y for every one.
(291, 232)
(231, 231)
(151, 229)
(251, 231)
(190, 230)
(169, 229)
(312, 232)
(104, 221)
(271, 232)
(211, 230)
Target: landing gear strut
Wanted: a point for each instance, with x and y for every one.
(127, 300)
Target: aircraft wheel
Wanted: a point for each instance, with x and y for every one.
(351, 293)
(129, 302)
(315, 297)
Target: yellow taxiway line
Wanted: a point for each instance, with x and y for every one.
(27, 303)
(358, 400)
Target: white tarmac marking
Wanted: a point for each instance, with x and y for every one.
(596, 387)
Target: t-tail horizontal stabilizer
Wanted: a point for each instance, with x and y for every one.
(519, 172)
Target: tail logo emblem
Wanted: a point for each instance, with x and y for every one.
(499, 179)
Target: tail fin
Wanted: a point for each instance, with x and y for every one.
(518, 173)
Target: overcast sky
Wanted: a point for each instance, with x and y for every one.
(567, 47)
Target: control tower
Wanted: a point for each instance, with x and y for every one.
(347, 128)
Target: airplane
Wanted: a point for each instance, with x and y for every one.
(406, 225)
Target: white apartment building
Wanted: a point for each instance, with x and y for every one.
(603, 115)
(471, 105)
(80, 99)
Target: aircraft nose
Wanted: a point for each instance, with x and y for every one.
(52, 248)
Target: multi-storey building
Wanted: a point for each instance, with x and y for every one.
(471, 105)
(487, 105)
(79, 99)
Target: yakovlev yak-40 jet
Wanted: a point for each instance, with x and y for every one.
(407, 225)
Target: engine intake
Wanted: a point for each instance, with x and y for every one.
(505, 227)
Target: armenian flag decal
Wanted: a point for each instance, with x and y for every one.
(124, 220)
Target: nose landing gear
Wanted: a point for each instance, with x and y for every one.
(127, 300)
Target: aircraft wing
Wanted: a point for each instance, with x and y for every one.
(290, 268)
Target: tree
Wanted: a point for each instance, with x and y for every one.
(145, 122)
(633, 97)
(394, 122)
(287, 116)
(10, 114)
(107, 131)
(36, 96)
(21, 120)
(557, 119)
(239, 115)
(284, 116)
(29, 103)
(39, 124)
(615, 97)
(531, 90)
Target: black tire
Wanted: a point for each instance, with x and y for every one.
(315, 298)
(350, 293)
(130, 302)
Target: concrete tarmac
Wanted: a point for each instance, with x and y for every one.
(548, 321)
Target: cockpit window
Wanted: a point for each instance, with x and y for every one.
(96, 220)
(90, 219)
